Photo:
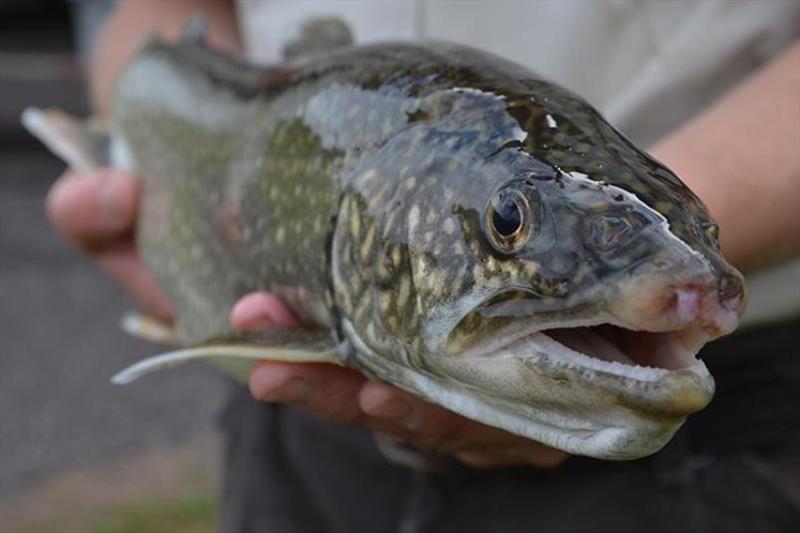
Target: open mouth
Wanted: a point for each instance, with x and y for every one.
(670, 350)
(605, 347)
(640, 355)
(512, 324)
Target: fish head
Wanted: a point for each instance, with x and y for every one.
(562, 282)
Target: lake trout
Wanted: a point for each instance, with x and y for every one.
(441, 219)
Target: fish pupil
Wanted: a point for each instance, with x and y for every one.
(507, 217)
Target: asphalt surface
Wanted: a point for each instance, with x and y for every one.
(59, 335)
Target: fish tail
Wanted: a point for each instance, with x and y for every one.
(82, 144)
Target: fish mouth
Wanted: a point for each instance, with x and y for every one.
(654, 373)
(585, 337)
(609, 348)
(644, 338)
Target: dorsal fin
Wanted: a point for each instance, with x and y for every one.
(194, 31)
(318, 35)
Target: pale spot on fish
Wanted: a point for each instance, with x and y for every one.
(371, 330)
(369, 175)
(413, 218)
(403, 292)
(397, 256)
(319, 224)
(369, 239)
(355, 223)
(477, 273)
(385, 301)
(449, 226)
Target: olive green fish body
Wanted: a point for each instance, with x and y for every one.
(464, 229)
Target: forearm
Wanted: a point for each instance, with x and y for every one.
(742, 158)
(132, 21)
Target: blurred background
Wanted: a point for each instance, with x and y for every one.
(76, 452)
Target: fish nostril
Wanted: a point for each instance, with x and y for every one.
(608, 231)
(730, 288)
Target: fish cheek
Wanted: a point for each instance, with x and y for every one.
(373, 290)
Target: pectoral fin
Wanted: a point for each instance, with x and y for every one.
(237, 354)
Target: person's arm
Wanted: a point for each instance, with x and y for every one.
(132, 21)
(742, 158)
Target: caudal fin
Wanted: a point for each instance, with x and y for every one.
(82, 144)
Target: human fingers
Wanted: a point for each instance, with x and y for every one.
(425, 425)
(94, 210)
(122, 263)
(328, 391)
(97, 212)
(346, 396)
(539, 456)
(259, 310)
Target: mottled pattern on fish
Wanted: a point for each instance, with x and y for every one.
(359, 186)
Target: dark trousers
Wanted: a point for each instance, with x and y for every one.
(733, 467)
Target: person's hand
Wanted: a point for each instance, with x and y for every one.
(97, 212)
(346, 396)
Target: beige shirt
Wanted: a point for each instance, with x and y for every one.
(647, 65)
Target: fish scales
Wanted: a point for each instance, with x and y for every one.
(463, 229)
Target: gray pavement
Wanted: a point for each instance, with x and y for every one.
(59, 338)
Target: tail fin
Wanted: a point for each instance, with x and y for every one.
(83, 145)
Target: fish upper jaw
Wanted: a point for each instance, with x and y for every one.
(712, 304)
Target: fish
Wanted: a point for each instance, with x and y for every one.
(438, 217)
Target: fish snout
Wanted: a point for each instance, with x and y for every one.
(711, 303)
(715, 306)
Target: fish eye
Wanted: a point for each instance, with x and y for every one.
(507, 220)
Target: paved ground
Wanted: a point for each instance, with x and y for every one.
(59, 339)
